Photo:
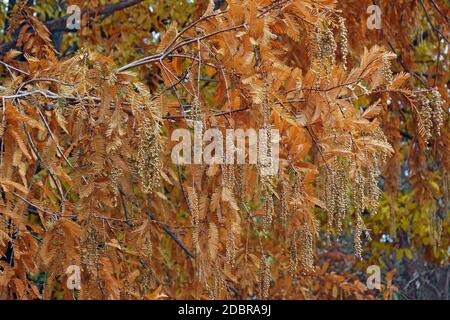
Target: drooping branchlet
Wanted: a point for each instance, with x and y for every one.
(437, 104)
(386, 70)
(425, 119)
(148, 155)
(324, 52)
(343, 41)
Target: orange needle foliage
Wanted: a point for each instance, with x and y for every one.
(86, 177)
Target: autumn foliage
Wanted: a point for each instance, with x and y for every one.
(86, 175)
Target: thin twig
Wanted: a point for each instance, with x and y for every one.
(124, 205)
(160, 56)
(54, 139)
(218, 114)
(8, 66)
(39, 158)
(54, 214)
(173, 236)
(439, 10)
(431, 23)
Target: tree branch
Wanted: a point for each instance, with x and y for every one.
(173, 236)
(60, 24)
(124, 205)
